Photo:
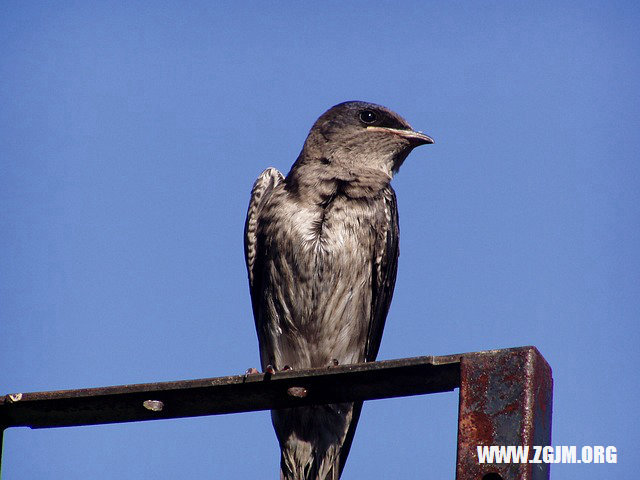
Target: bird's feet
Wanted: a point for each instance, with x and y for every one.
(334, 363)
(268, 371)
(249, 371)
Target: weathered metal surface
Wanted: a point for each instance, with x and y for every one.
(505, 399)
(211, 396)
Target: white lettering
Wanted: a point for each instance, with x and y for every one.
(519, 454)
(598, 454)
(537, 450)
(485, 454)
(587, 454)
(547, 454)
(611, 454)
(569, 454)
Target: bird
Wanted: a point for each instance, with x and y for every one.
(321, 250)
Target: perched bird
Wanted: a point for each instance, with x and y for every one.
(321, 247)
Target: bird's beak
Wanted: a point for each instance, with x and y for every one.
(416, 138)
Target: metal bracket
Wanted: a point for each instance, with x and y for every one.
(505, 399)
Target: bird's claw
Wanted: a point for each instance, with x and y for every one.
(270, 370)
(249, 371)
(286, 367)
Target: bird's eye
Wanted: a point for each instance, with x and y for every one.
(367, 116)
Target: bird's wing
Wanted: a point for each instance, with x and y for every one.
(262, 189)
(385, 266)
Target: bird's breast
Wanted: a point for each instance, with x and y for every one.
(319, 279)
(342, 226)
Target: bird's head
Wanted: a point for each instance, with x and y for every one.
(356, 135)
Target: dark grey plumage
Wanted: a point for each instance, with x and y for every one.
(321, 247)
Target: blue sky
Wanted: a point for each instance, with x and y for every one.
(130, 137)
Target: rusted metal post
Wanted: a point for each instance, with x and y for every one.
(505, 400)
(1, 447)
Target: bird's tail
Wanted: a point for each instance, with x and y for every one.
(315, 441)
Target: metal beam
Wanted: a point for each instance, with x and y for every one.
(212, 396)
